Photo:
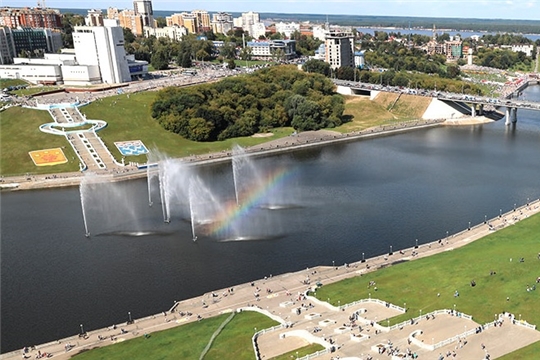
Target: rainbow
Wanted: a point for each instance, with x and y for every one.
(233, 212)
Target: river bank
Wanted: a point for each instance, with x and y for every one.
(295, 142)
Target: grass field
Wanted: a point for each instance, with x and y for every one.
(34, 90)
(306, 350)
(447, 272)
(4, 83)
(19, 134)
(188, 341)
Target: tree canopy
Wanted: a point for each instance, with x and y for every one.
(244, 105)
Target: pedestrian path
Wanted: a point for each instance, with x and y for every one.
(93, 154)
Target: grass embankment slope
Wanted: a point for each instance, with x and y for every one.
(19, 134)
(383, 110)
(188, 341)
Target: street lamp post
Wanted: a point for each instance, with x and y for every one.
(82, 329)
(363, 259)
(369, 296)
(514, 207)
(129, 317)
(485, 219)
(333, 263)
(390, 250)
(469, 225)
(416, 246)
(500, 213)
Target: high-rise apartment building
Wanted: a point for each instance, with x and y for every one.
(94, 18)
(134, 22)
(203, 20)
(30, 18)
(190, 23)
(222, 23)
(144, 8)
(339, 48)
(103, 46)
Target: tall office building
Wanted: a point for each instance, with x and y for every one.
(339, 48)
(144, 8)
(103, 46)
(7, 46)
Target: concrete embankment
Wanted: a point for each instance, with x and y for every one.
(304, 140)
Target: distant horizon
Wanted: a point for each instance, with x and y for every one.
(527, 10)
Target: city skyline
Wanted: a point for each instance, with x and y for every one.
(485, 9)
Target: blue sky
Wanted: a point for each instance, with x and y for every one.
(491, 9)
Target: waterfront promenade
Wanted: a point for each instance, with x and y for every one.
(286, 298)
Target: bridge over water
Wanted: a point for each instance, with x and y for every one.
(472, 103)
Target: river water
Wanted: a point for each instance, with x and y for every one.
(354, 198)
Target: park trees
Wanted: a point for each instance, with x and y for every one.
(243, 105)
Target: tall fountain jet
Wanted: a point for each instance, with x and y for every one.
(86, 232)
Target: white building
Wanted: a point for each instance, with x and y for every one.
(279, 49)
(527, 49)
(251, 23)
(339, 49)
(172, 32)
(103, 46)
(319, 33)
(222, 23)
(258, 30)
(34, 73)
(98, 57)
(287, 28)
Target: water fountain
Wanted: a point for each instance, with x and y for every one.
(215, 209)
(86, 232)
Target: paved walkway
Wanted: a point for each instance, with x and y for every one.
(285, 299)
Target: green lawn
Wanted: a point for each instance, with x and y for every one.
(34, 90)
(19, 134)
(188, 341)
(306, 350)
(4, 83)
(528, 352)
(454, 270)
(130, 119)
